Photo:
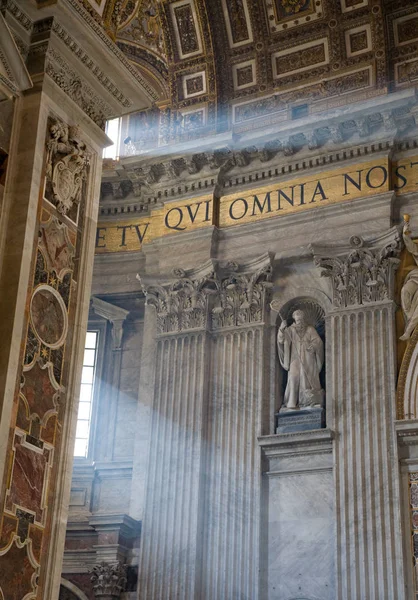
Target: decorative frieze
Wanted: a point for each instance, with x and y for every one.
(362, 272)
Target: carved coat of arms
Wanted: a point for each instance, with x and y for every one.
(66, 165)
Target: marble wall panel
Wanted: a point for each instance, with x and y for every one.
(300, 535)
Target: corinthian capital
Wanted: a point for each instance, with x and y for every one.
(182, 303)
(361, 272)
(242, 293)
(109, 580)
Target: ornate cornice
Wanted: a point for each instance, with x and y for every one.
(76, 88)
(229, 165)
(362, 272)
(91, 65)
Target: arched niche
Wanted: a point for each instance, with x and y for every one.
(314, 305)
(69, 591)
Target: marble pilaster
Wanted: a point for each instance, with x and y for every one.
(231, 519)
(170, 539)
(361, 397)
(47, 235)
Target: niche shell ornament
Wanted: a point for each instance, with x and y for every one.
(48, 316)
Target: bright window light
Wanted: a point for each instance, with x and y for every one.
(86, 395)
(113, 132)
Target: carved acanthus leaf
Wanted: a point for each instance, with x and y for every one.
(242, 298)
(109, 580)
(363, 274)
(183, 305)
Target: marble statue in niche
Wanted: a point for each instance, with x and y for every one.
(409, 291)
(301, 354)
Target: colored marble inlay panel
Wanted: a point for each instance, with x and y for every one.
(18, 572)
(32, 473)
(38, 390)
(29, 473)
(413, 500)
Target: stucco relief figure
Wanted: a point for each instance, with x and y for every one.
(301, 354)
(409, 292)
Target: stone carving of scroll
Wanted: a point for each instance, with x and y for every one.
(66, 170)
(361, 273)
(241, 297)
(109, 580)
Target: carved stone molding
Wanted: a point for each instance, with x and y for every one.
(77, 89)
(242, 297)
(362, 272)
(109, 580)
(66, 167)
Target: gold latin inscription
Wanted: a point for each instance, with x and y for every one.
(291, 196)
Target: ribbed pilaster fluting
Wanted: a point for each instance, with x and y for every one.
(232, 490)
(170, 528)
(369, 554)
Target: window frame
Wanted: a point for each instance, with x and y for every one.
(101, 328)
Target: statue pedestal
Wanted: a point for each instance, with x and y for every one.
(305, 419)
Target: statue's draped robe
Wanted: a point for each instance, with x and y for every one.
(409, 292)
(303, 365)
